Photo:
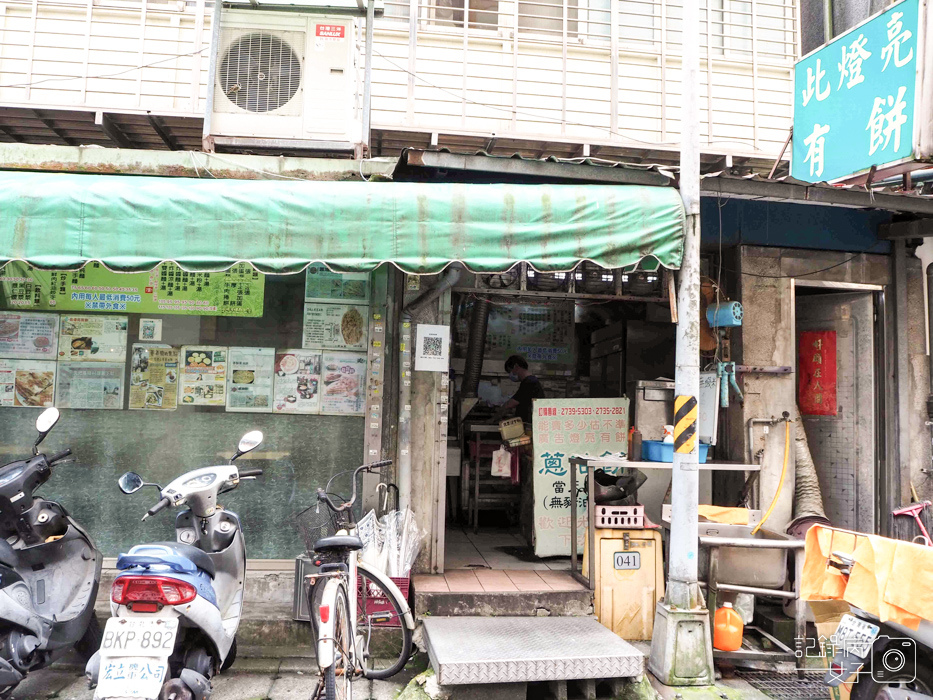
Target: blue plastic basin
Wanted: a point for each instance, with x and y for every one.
(657, 451)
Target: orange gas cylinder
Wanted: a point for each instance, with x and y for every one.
(727, 629)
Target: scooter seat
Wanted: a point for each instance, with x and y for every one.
(350, 542)
(8, 555)
(198, 557)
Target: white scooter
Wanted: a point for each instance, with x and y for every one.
(49, 570)
(176, 605)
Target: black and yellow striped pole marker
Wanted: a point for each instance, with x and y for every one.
(686, 415)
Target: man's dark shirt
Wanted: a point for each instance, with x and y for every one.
(528, 390)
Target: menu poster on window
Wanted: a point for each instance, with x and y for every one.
(323, 285)
(336, 327)
(344, 379)
(541, 332)
(565, 428)
(150, 329)
(92, 339)
(166, 289)
(249, 379)
(203, 375)
(297, 382)
(27, 383)
(26, 335)
(154, 377)
(89, 385)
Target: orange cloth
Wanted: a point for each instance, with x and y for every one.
(890, 579)
(729, 516)
(821, 581)
(915, 589)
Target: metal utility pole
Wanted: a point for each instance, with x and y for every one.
(368, 78)
(680, 654)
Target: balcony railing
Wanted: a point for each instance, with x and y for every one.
(603, 70)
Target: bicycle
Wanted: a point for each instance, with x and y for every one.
(350, 603)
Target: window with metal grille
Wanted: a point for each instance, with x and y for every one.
(481, 14)
(586, 19)
(259, 72)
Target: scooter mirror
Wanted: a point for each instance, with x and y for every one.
(130, 482)
(47, 420)
(248, 443)
(44, 423)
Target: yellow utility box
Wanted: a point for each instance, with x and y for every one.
(629, 580)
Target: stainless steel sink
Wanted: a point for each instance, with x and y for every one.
(742, 566)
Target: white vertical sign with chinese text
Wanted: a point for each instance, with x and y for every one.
(564, 428)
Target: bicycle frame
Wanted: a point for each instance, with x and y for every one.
(326, 651)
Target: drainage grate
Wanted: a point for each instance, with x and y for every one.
(786, 686)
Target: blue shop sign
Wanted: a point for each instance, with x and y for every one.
(855, 98)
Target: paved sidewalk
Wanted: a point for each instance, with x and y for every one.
(288, 678)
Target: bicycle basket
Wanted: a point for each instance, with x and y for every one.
(317, 522)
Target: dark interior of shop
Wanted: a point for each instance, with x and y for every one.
(583, 338)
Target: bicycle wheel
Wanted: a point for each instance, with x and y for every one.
(338, 676)
(386, 640)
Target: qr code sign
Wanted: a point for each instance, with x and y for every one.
(433, 347)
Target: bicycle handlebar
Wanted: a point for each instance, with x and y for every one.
(324, 498)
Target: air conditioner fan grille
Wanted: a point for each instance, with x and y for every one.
(260, 72)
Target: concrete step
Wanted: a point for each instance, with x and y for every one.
(471, 650)
(500, 593)
(503, 604)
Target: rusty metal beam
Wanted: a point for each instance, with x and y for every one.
(824, 195)
(535, 168)
(50, 125)
(919, 228)
(159, 127)
(122, 161)
(105, 123)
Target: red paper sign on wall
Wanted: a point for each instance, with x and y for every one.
(816, 366)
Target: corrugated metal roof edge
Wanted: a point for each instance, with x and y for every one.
(786, 188)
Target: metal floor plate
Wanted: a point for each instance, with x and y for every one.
(519, 649)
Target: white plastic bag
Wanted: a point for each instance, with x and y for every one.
(372, 533)
(502, 462)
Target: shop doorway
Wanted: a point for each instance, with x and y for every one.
(591, 334)
(839, 352)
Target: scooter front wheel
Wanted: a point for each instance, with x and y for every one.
(175, 689)
(339, 675)
(912, 675)
(90, 641)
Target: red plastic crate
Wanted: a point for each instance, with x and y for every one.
(370, 602)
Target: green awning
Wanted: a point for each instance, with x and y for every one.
(132, 223)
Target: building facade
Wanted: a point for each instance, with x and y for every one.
(568, 79)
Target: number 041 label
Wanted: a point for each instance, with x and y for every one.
(627, 560)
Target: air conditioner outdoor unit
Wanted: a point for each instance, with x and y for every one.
(286, 81)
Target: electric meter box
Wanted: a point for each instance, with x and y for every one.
(629, 580)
